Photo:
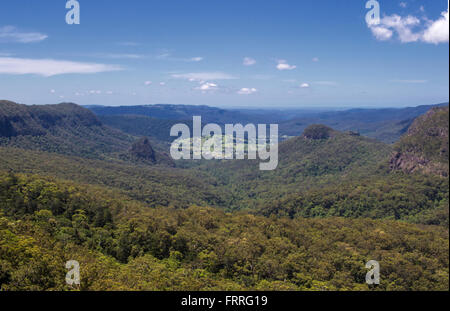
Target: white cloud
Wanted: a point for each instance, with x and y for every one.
(203, 76)
(248, 61)
(50, 67)
(196, 59)
(403, 4)
(12, 34)
(52, 91)
(411, 29)
(207, 86)
(437, 31)
(283, 65)
(403, 26)
(247, 91)
(315, 59)
(304, 85)
(162, 83)
(148, 82)
(95, 92)
(381, 33)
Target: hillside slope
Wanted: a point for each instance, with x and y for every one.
(66, 129)
(143, 126)
(304, 163)
(425, 146)
(397, 189)
(386, 125)
(123, 245)
(183, 112)
(158, 185)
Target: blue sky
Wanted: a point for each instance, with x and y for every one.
(271, 53)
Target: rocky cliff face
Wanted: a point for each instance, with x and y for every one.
(142, 150)
(425, 146)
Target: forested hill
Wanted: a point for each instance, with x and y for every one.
(312, 224)
(425, 147)
(384, 124)
(63, 128)
(124, 245)
(19, 120)
(183, 112)
(321, 156)
(396, 189)
(67, 129)
(140, 125)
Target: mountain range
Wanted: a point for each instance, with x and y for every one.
(95, 181)
(386, 124)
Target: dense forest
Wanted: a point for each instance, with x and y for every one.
(123, 245)
(72, 187)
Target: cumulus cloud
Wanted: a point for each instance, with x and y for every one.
(404, 26)
(50, 67)
(207, 86)
(248, 61)
(437, 31)
(204, 76)
(247, 91)
(12, 34)
(148, 82)
(412, 29)
(283, 65)
(304, 85)
(381, 33)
